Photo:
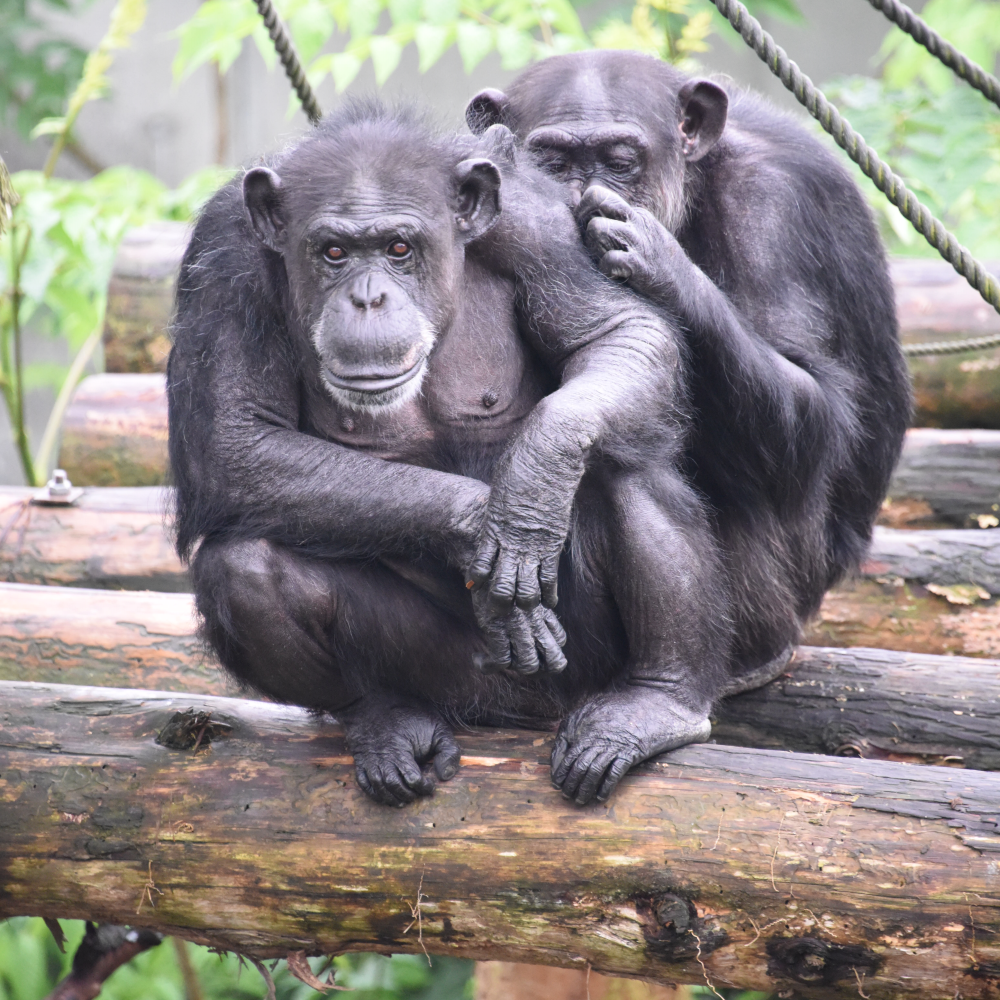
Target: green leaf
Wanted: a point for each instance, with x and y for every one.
(215, 34)
(440, 12)
(516, 48)
(311, 27)
(475, 42)
(404, 11)
(433, 40)
(385, 54)
(344, 67)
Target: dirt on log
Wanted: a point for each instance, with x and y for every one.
(756, 868)
(872, 702)
(117, 538)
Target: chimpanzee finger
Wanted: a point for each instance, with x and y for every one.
(559, 750)
(414, 778)
(503, 586)
(616, 264)
(447, 754)
(529, 593)
(396, 785)
(603, 235)
(525, 655)
(497, 648)
(614, 774)
(553, 624)
(549, 577)
(551, 654)
(566, 760)
(592, 779)
(599, 200)
(363, 782)
(576, 774)
(382, 793)
(482, 562)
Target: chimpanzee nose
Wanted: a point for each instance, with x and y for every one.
(575, 193)
(367, 294)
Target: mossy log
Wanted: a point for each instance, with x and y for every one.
(114, 432)
(754, 868)
(111, 537)
(871, 702)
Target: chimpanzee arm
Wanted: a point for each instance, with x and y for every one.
(243, 467)
(783, 395)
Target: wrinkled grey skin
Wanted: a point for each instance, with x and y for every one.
(753, 240)
(396, 368)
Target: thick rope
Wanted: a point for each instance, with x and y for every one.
(889, 183)
(920, 31)
(289, 59)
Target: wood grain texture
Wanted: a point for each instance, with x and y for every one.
(111, 537)
(872, 702)
(781, 869)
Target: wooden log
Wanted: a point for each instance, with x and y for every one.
(114, 432)
(516, 981)
(754, 868)
(103, 637)
(111, 537)
(141, 297)
(956, 473)
(147, 640)
(935, 303)
(943, 557)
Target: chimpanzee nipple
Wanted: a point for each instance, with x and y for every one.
(489, 399)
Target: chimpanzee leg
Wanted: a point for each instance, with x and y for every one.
(661, 567)
(354, 639)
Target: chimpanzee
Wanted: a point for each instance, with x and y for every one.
(394, 360)
(744, 229)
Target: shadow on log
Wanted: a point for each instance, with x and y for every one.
(777, 870)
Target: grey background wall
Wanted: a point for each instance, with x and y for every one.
(171, 129)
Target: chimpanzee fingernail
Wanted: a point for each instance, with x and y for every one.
(470, 585)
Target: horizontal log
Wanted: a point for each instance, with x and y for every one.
(946, 557)
(146, 640)
(114, 432)
(956, 473)
(111, 537)
(756, 868)
(106, 637)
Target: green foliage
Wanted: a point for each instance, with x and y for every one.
(31, 964)
(37, 70)
(55, 262)
(520, 31)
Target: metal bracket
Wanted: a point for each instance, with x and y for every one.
(58, 491)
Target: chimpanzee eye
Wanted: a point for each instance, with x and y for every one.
(556, 167)
(399, 249)
(334, 254)
(620, 166)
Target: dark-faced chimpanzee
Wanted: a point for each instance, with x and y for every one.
(751, 236)
(395, 366)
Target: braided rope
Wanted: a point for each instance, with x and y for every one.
(289, 59)
(920, 31)
(889, 183)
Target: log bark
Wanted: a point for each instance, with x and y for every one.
(943, 557)
(955, 472)
(935, 303)
(830, 699)
(117, 538)
(141, 297)
(114, 432)
(756, 868)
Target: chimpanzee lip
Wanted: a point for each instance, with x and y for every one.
(372, 383)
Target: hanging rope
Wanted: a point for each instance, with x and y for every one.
(289, 59)
(889, 183)
(920, 31)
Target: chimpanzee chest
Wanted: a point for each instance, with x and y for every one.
(482, 379)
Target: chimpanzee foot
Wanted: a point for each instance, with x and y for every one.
(394, 745)
(600, 741)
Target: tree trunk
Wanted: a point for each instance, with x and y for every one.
(866, 701)
(114, 432)
(114, 538)
(754, 868)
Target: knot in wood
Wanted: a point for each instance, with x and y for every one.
(812, 960)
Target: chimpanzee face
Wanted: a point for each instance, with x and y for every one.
(373, 244)
(620, 119)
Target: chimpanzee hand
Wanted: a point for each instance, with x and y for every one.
(600, 741)
(391, 740)
(518, 640)
(628, 243)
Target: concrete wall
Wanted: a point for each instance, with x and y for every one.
(173, 129)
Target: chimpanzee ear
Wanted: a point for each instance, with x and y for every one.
(701, 116)
(477, 197)
(263, 200)
(488, 107)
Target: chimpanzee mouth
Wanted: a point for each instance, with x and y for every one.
(375, 391)
(372, 383)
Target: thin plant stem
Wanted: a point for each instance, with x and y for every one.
(15, 394)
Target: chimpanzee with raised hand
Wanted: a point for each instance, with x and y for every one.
(394, 360)
(742, 227)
